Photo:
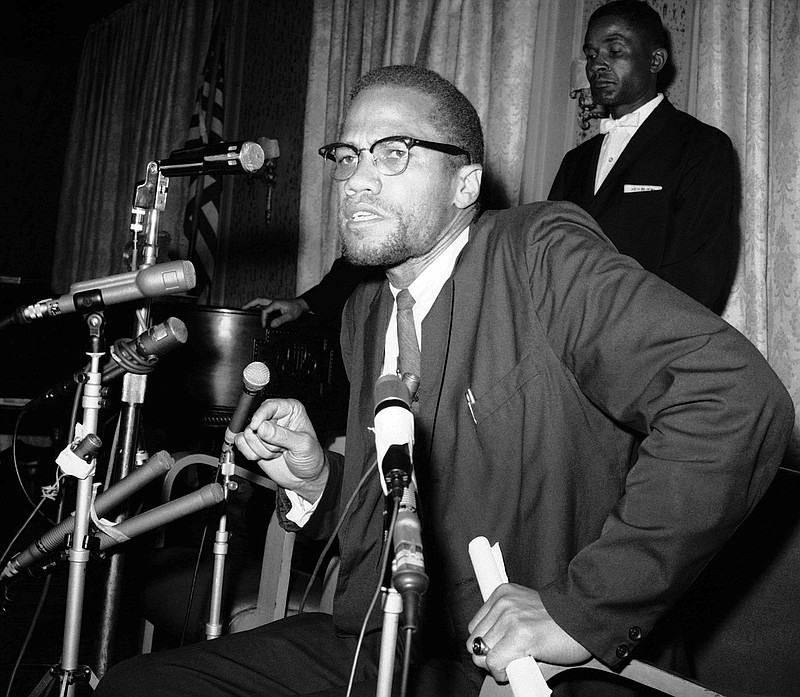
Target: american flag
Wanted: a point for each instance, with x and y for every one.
(201, 220)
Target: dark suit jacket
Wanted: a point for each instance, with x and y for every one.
(686, 232)
(575, 355)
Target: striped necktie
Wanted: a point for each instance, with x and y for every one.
(408, 359)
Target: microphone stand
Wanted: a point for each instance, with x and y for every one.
(227, 468)
(133, 392)
(255, 378)
(409, 582)
(392, 609)
(79, 550)
(150, 199)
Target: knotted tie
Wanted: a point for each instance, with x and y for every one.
(408, 359)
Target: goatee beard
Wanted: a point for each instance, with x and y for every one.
(390, 252)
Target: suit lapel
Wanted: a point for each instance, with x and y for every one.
(375, 327)
(374, 333)
(589, 165)
(435, 333)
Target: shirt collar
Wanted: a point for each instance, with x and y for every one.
(425, 288)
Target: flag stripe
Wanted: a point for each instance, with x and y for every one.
(205, 127)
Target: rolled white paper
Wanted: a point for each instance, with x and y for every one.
(488, 572)
(524, 675)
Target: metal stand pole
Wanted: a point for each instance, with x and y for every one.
(79, 550)
(392, 607)
(214, 624)
(150, 198)
(133, 393)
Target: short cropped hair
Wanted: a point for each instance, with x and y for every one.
(639, 16)
(453, 114)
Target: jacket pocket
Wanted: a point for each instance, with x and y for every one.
(514, 382)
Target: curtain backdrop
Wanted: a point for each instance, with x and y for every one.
(749, 88)
(139, 73)
(511, 58)
(737, 62)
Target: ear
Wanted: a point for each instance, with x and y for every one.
(468, 185)
(658, 59)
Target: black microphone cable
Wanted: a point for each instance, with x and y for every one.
(40, 603)
(76, 402)
(332, 538)
(396, 501)
(384, 561)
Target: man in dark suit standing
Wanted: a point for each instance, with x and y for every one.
(661, 184)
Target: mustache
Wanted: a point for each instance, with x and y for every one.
(367, 202)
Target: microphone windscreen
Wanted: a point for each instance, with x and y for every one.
(162, 337)
(252, 156)
(255, 376)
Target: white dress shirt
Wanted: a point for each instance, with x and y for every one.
(424, 289)
(618, 134)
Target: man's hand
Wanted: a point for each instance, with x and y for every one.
(281, 439)
(290, 309)
(514, 623)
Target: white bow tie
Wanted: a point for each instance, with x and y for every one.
(627, 121)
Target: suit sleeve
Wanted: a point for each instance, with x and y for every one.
(321, 523)
(328, 297)
(712, 417)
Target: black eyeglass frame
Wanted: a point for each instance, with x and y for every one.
(326, 151)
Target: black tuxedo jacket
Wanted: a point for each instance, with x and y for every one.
(670, 201)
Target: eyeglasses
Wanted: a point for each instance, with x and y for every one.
(390, 155)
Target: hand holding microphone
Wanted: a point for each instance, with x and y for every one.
(282, 440)
(255, 378)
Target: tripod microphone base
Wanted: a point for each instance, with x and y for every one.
(66, 679)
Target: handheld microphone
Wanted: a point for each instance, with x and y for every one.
(394, 434)
(408, 568)
(239, 157)
(87, 296)
(139, 356)
(254, 378)
(157, 465)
